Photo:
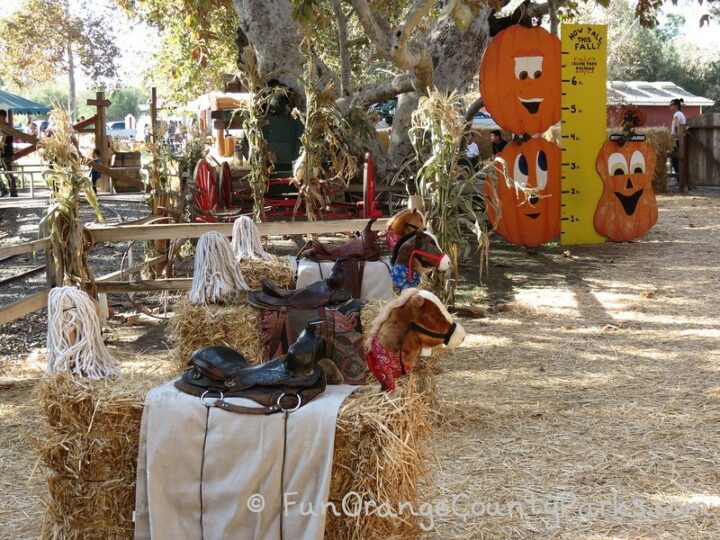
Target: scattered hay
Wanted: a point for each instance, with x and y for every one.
(233, 325)
(275, 269)
(89, 450)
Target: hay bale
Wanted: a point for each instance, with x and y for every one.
(91, 447)
(233, 325)
(89, 451)
(276, 270)
(662, 142)
(380, 456)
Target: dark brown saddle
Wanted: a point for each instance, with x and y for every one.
(283, 384)
(363, 247)
(315, 295)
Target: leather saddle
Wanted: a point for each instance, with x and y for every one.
(283, 384)
(363, 247)
(315, 295)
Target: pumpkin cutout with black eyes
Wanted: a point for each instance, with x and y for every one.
(627, 208)
(520, 79)
(529, 220)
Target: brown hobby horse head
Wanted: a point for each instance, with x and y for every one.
(411, 323)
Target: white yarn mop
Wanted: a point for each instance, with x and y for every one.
(246, 241)
(217, 279)
(74, 341)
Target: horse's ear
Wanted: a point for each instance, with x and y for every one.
(417, 301)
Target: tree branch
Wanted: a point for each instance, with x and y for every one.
(370, 25)
(474, 107)
(385, 89)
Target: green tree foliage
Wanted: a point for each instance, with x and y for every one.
(34, 43)
(126, 101)
(659, 53)
(198, 44)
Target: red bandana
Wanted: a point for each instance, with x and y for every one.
(384, 364)
(392, 238)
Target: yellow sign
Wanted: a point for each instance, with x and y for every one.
(583, 119)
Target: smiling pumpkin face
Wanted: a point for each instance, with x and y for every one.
(534, 220)
(627, 208)
(520, 79)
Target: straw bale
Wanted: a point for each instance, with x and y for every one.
(233, 325)
(89, 510)
(89, 451)
(662, 142)
(380, 457)
(91, 468)
(276, 270)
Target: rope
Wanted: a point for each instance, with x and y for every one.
(246, 241)
(216, 279)
(74, 341)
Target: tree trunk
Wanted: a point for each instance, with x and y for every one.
(72, 98)
(455, 56)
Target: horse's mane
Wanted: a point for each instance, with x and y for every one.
(396, 249)
(384, 314)
(407, 237)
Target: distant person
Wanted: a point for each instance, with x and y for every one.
(31, 129)
(678, 120)
(472, 152)
(7, 153)
(498, 143)
(147, 133)
(389, 120)
(94, 173)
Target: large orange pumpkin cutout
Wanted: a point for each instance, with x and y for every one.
(627, 208)
(534, 220)
(520, 79)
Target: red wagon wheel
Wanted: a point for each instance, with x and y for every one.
(206, 198)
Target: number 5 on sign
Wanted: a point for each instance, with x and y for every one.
(583, 120)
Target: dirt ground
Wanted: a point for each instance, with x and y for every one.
(584, 403)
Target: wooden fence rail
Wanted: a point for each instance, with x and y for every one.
(169, 231)
(25, 247)
(115, 283)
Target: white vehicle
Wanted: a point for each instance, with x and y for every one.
(118, 130)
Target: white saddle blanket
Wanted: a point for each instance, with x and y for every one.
(214, 474)
(376, 283)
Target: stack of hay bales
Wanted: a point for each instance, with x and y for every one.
(235, 325)
(89, 451)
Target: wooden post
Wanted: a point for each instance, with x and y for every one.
(158, 201)
(683, 180)
(101, 142)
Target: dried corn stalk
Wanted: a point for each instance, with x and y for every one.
(67, 177)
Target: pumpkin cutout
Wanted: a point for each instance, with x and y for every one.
(520, 79)
(627, 208)
(529, 220)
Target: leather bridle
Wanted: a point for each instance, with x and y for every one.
(436, 260)
(446, 337)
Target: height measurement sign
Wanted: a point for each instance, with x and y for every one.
(583, 119)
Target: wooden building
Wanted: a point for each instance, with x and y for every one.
(654, 99)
